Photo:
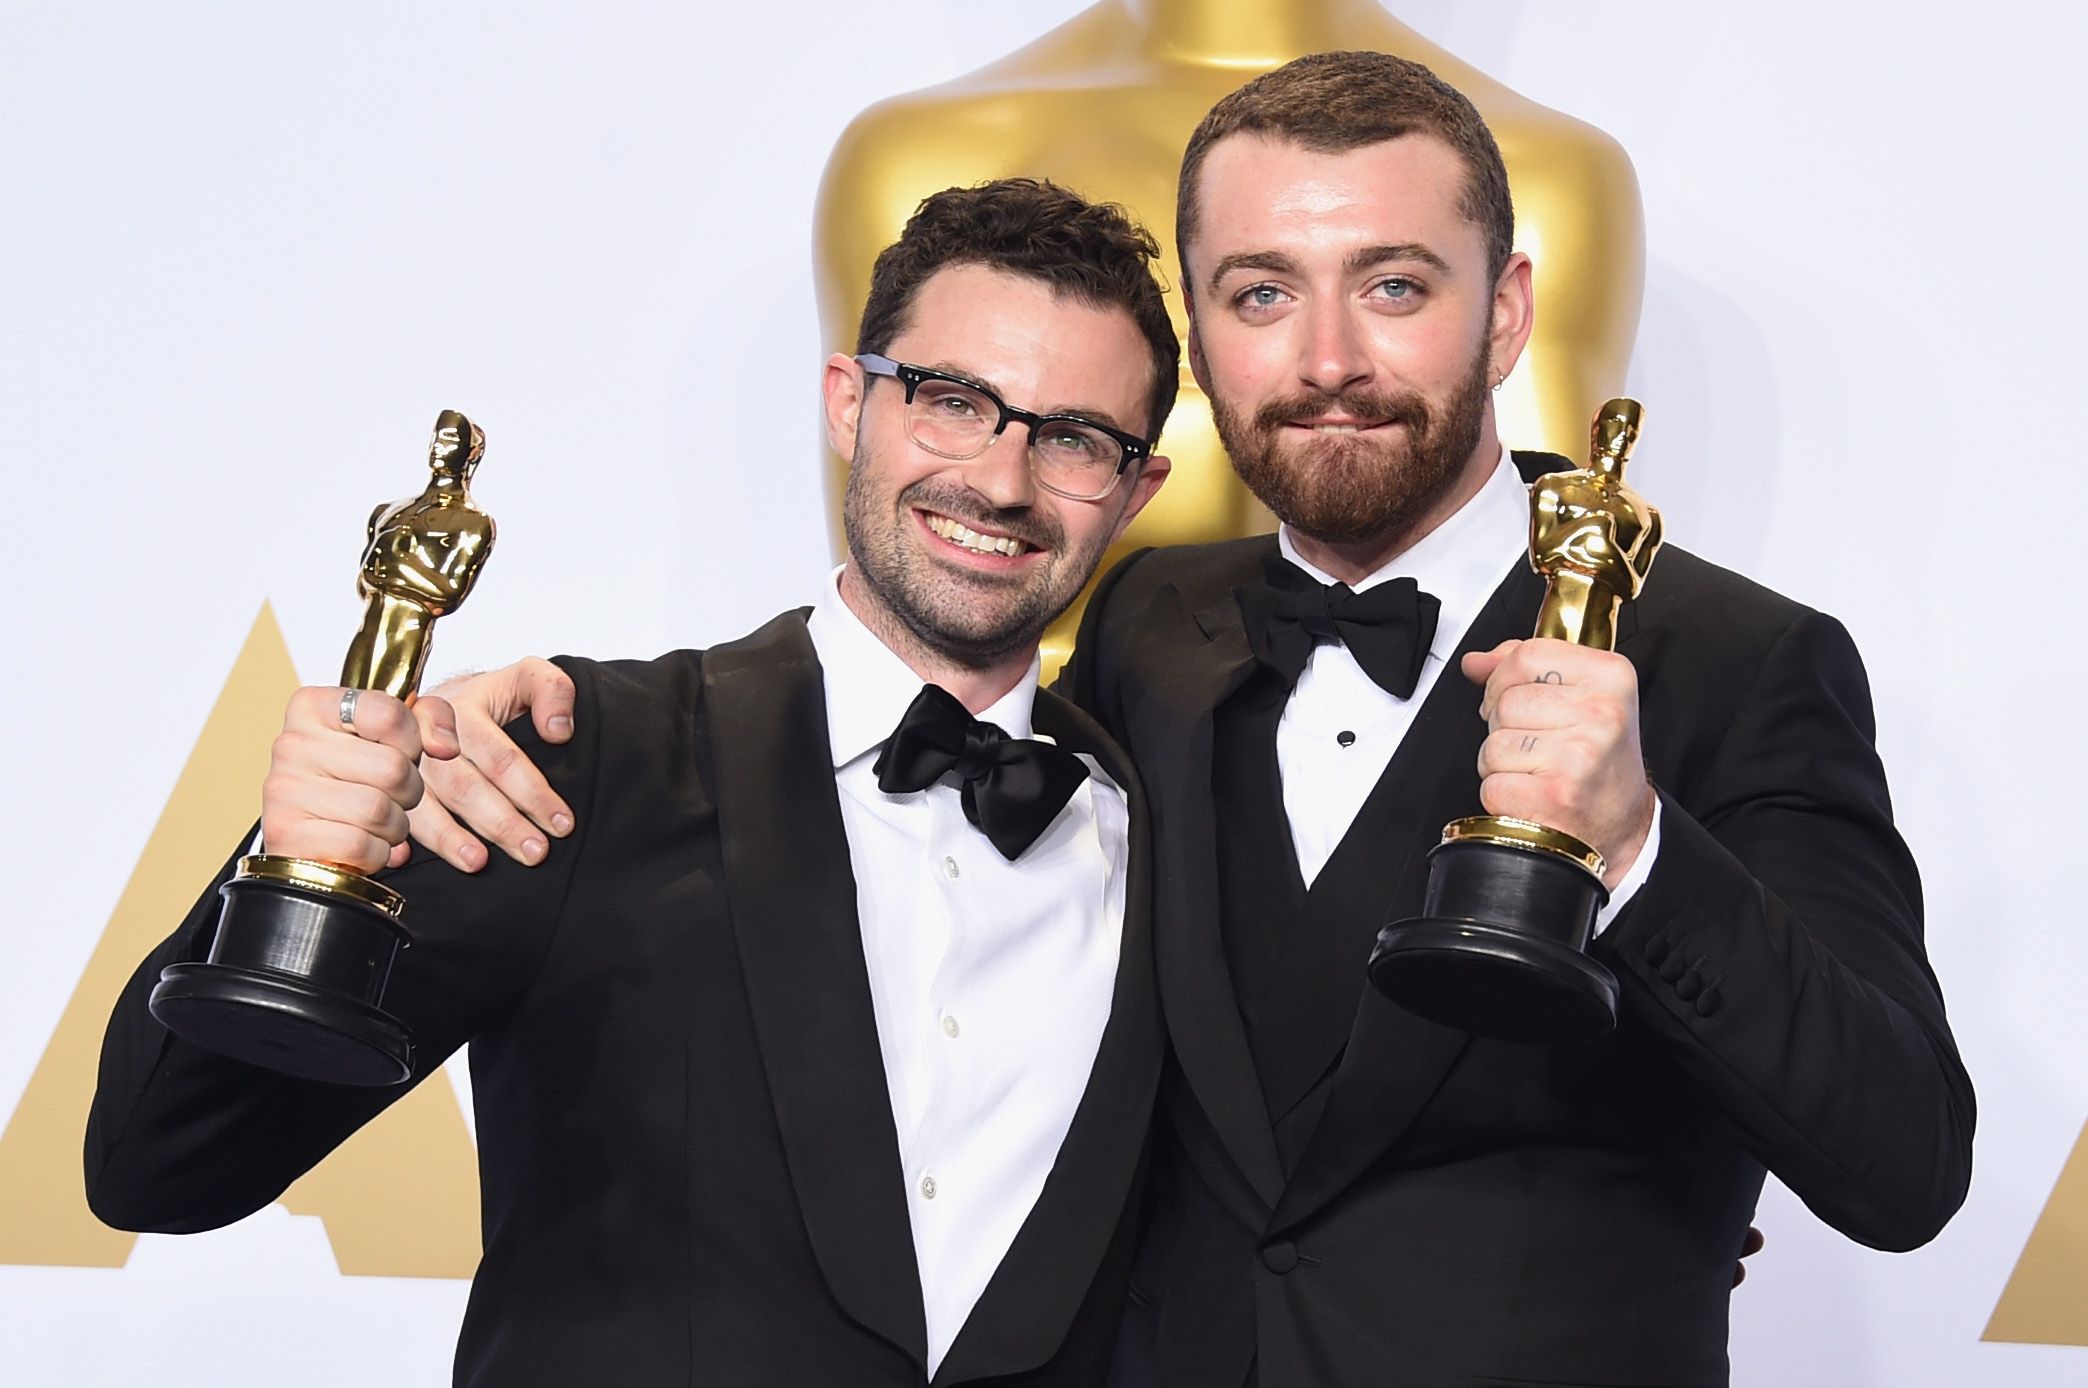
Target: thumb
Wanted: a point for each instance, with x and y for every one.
(438, 727)
(1478, 666)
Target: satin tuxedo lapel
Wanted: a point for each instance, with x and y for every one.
(793, 904)
(1394, 1060)
(1194, 661)
(1023, 1315)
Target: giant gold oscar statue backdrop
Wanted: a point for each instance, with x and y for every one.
(1105, 103)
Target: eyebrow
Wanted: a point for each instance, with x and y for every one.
(1252, 260)
(1398, 250)
(1080, 412)
(1356, 260)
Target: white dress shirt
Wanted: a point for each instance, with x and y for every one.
(1340, 729)
(991, 980)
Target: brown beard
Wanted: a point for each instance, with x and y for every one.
(1352, 489)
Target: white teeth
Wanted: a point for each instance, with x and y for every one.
(1335, 428)
(960, 534)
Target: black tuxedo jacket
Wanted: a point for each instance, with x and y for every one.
(1475, 1212)
(689, 1173)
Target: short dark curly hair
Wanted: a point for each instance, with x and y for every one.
(1092, 251)
(1332, 103)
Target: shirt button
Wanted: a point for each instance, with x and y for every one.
(927, 1187)
(949, 867)
(949, 1025)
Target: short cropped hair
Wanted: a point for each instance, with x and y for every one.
(1332, 103)
(1094, 252)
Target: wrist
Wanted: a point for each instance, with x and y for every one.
(1617, 864)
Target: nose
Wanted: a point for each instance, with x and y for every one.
(1002, 473)
(1332, 356)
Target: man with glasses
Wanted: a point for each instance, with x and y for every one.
(769, 1087)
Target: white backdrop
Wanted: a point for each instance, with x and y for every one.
(247, 251)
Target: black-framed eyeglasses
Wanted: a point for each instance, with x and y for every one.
(958, 419)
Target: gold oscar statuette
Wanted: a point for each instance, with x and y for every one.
(295, 978)
(1500, 948)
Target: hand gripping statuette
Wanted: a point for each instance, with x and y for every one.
(295, 977)
(1500, 946)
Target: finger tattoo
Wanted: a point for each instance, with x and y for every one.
(1550, 677)
(1529, 744)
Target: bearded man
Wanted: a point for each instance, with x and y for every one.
(1356, 1195)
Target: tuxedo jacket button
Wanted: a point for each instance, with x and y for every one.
(1656, 950)
(1280, 1257)
(1689, 985)
(1672, 968)
(1709, 1001)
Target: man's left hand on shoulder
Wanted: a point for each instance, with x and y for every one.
(1563, 746)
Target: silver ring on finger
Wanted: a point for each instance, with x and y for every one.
(348, 708)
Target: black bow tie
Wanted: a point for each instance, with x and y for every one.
(1387, 629)
(1013, 786)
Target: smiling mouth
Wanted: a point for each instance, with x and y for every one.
(964, 537)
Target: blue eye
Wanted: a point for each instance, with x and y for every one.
(1259, 296)
(1396, 289)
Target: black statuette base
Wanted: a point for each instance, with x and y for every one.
(1499, 947)
(293, 984)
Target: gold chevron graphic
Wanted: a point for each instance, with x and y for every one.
(2045, 1302)
(399, 1199)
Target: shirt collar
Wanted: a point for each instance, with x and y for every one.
(868, 687)
(1460, 561)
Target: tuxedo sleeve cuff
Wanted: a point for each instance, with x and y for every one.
(1641, 868)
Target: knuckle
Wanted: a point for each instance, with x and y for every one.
(399, 779)
(381, 717)
(312, 704)
(370, 807)
(364, 853)
(506, 827)
(502, 759)
(277, 789)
